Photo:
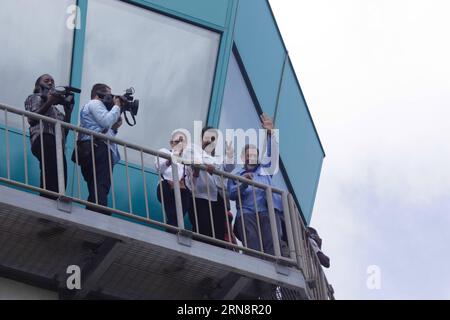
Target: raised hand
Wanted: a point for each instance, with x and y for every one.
(229, 150)
(210, 168)
(248, 176)
(267, 122)
(53, 100)
(118, 102)
(118, 124)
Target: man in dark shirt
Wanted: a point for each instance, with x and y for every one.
(44, 103)
(316, 244)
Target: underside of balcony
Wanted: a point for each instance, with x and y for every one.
(125, 260)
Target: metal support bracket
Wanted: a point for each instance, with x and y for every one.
(64, 204)
(282, 268)
(185, 237)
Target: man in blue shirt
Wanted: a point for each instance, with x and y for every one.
(102, 115)
(261, 172)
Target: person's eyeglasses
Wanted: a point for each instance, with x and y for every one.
(175, 142)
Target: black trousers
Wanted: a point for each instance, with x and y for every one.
(50, 172)
(204, 217)
(169, 202)
(102, 177)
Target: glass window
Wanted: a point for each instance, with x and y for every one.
(34, 40)
(239, 111)
(169, 63)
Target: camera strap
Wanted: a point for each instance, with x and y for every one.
(128, 121)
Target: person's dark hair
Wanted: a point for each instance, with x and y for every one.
(37, 84)
(213, 153)
(315, 236)
(98, 87)
(312, 230)
(248, 146)
(206, 129)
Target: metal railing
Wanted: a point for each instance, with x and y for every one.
(295, 251)
(307, 259)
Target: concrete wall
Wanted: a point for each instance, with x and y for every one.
(12, 290)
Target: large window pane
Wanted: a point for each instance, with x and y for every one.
(34, 40)
(239, 111)
(170, 64)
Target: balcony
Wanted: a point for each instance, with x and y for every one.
(135, 254)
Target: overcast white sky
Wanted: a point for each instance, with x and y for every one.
(376, 76)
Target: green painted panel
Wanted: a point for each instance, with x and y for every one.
(300, 147)
(261, 49)
(213, 12)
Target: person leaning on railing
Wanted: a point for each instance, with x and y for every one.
(207, 188)
(260, 172)
(178, 144)
(102, 115)
(316, 244)
(44, 103)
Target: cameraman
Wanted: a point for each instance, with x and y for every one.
(102, 115)
(43, 101)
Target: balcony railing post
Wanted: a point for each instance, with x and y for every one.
(111, 176)
(300, 251)
(288, 224)
(242, 215)
(94, 169)
(225, 205)
(211, 215)
(8, 151)
(161, 190)
(130, 203)
(77, 164)
(25, 156)
(60, 159)
(258, 220)
(194, 203)
(273, 223)
(297, 233)
(177, 192)
(144, 181)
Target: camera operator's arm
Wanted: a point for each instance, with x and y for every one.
(115, 127)
(35, 103)
(106, 118)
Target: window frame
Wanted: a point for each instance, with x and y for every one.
(259, 110)
(78, 48)
(18, 129)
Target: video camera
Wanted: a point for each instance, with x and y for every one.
(65, 94)
(129, 103)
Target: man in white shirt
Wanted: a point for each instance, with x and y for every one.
(178, 144)
(207, 188)
(102, 115)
